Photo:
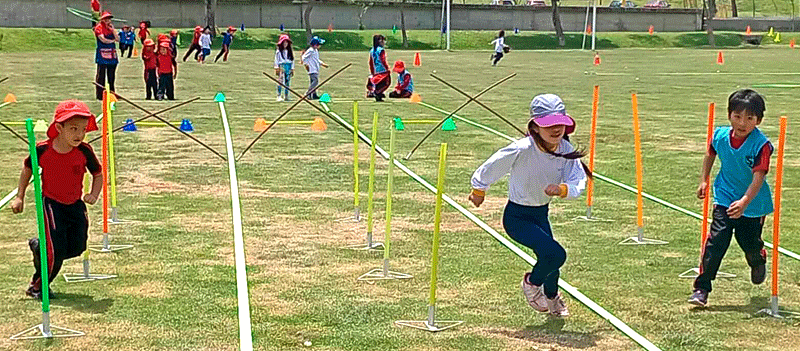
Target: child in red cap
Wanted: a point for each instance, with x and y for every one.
(173, 42)
(64, 158)
(405, 85)
(144, 33)
(150, 66)
(198, 31)
(227, 39)
(167, 72)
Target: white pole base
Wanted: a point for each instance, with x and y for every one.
(110, 248)
(695, 272)
(37, 332)
(589, 218)
(366, 247)
(775, 312)
(635, 240)
(424, 325)
(381, 274)
(80, 277)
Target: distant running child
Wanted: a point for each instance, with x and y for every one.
(542, 165)
(380, 78)
(205, 45)
(499, 47)
(312, 63)
(227, 39)
(95, 12)
(198, 31)
(742, 198)
(284, 65)
(126, 40)
(150, 69)
(405, 85)
(64, 158)
(144, 31)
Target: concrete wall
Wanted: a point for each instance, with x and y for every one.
(262, 13)
(757, 24)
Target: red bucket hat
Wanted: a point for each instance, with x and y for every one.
(399, 66)
(173, 32)
(149, 42)
(231, 29)
(198, 28)
(283, 38)
(163, 44)
(106, 15)
(68, 109)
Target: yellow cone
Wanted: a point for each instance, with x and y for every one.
(319, 125)
(777, 37)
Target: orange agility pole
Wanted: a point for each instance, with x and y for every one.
(592, 142)
(639, 239)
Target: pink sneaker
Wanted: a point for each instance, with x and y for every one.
(557, 307)
(534, 294)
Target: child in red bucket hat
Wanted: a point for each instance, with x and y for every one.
(150, 69)
(405, 85)
(64, 158)
(167, 72)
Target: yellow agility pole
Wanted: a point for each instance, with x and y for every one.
(356, 215)
(370, 192)
(111, 160)
(430, 324)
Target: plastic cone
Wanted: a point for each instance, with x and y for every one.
(777, 37)
(449, 125)
(417, 60)
(10, 98)
(260, 125)
(720, 59)
(791, 43)
(589, 29)
(398, 124)
(282, 27)
(135, 52)
(187, 126)
(319, 125)
(415, 98)
(771, 32)
(597, 59)
(40, 126)
(325, 98)
(747, 31)
(330, 27)
(650, 30)
(129, 126)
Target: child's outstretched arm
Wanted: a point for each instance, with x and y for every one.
(24, 179)
(705, 172)
(736, 209)
(491, 171)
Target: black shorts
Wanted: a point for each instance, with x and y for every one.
(68, 226)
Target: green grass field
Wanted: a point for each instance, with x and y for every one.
(177, 290)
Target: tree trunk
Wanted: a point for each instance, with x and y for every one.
(211, 6)
(711, 11)
(735, 10)
(557, 24)
(403, 24)
(307, 20)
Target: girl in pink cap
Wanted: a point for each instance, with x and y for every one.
(284, 65)
(540, 166)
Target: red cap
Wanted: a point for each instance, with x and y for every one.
(106, 15)
(173, 32)
(149, 42)
(162, 37)
(164, 44)
(198, 28)
(399, 66)
(68, 109)
(231, 29)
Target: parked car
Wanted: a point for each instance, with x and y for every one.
(503, 2)
(657, 4)
(537, 3)
(618, 3)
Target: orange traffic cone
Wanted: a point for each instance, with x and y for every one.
(651, 30)
(135, 53)
(720, 59)
(596, 59)
(260, 125)
(589, 29)
(415, 98)
(417, 60)
(319, 125)
(791, 43)
(10, 98)
(330, 27)
(747, 31)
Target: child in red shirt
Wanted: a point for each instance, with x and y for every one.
(64, 158)
(150, 66)
(195, 44)
(167, 71)
(144, 33)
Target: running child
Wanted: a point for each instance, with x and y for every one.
(499, 47)
(227, 39)
(167, 72)
(150, 69)
(405, 85)
(312, 63)
(542, 165)
(742, 198)
(64, 158)
(380, 78)
(173, 42)
(126, 40)
(284, 65)
(198, 31)
(205, 45)
(144, 32)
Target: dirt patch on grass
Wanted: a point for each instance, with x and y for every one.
(150, 289)
(550, 336)
(147, 181)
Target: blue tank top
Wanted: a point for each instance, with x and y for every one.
(736, 172)
(402, 78)
(376, 60)
(106, 54)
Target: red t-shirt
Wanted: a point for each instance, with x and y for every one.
(101, 29)
(95, 6)
(62, 174)
(143, 33)
(165, 63)
(196, 39)
(149, 58)
(761, 162)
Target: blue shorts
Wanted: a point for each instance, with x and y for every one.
(206, 52)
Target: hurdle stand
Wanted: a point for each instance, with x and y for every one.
(370, 244)
(356, 208)
(590, 182)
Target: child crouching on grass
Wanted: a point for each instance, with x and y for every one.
(64, 158)
(541, 165)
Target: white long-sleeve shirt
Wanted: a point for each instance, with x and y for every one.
(281, 57)
(205, 41)
(311, 58)
(499, 43)
(531, 171)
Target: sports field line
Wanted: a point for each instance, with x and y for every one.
(574, 292)
(612, 181)
(245, 330)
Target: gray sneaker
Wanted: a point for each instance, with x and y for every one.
(557, 307)
(533, 294)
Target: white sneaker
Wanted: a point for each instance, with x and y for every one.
(534, 294)
(557, 307)
(279, 98)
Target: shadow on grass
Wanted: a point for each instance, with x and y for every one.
(757, 303)
(701, 39)
(82, 303)
(551, 332)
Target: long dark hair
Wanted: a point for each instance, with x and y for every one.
(376, 40)
(501, 34)
(289, 53)
(574, 155)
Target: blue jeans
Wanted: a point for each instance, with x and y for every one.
(530, 227)
(285, 77)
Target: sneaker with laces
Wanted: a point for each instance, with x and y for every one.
(533, 294)
(37, 293)
(699, 298)
(759, 273)
(557, 307)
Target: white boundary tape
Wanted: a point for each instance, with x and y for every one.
(646, 344)
(614, 182)
(245, 330)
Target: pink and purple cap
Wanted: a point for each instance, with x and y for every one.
(548, 110)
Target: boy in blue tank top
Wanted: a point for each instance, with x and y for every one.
(742, 197)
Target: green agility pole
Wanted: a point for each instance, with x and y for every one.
(44, 330)
(370, 192)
